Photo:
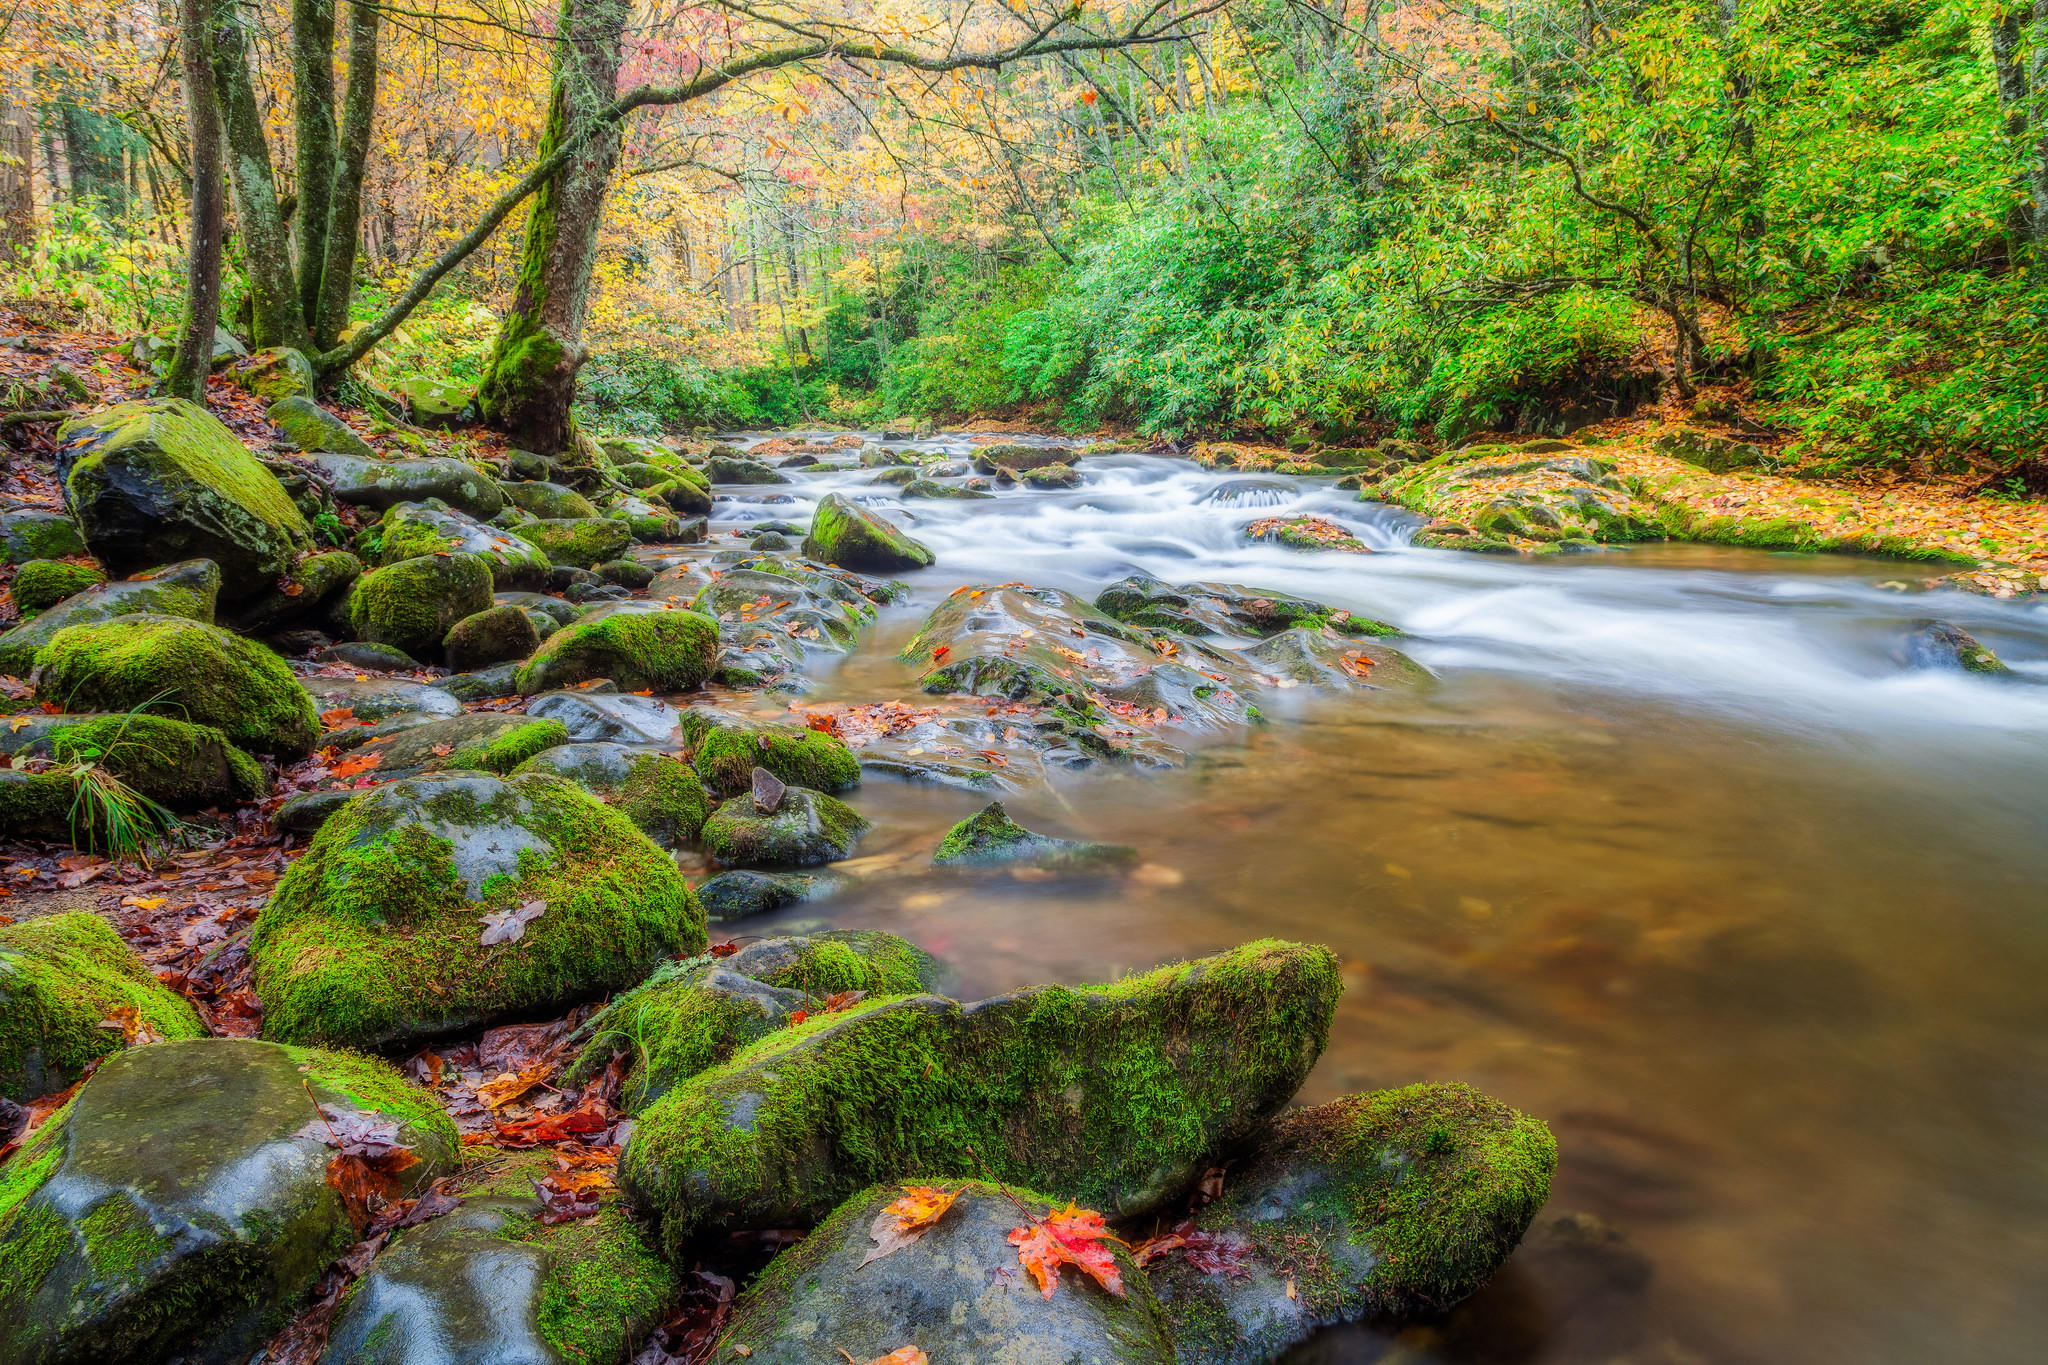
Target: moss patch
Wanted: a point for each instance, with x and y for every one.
(663, 650)
(43, 583)
(60, 976)
(726, 756)
(412, 605)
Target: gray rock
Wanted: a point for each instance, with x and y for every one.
(737, 895)
(622, 717)
(499, 681)
(315, 430)
(30, 533)
(368, 655)
(1939, 645)
(807, 828)
(544, 499)
(744, 471)
(380, 484)
(658, 792)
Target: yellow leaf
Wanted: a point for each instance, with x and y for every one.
(145, 902)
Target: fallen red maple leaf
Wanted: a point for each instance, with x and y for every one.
(1070, 1236)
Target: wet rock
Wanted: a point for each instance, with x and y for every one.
(591, 716)
(637, 645)
(723, 469)
(692, 1015)
(195, 1243)
(1052, 476)
(849, 535)
(189, 589)
(177, 764)
(737, 895)
(483, 741)
(659, 793)
(647, 522)
(625, 573)
(162, 480)
(61, 977)
(768, 791)
(30, 533)
(439, 903)
(560, 608)
(275, 372)
(368, 655)
(685, 497)
(1316, 658)
(943, 1293)
(412, 529)
(1019, 459)
(491, 635)
(484, 684)
(771, 540)
(807, 828)
(726, 753)
(1937, 644)
(544, 499)
(896, 477)
(307, 811)
(43, 583)
(1053, 1088)
(315, 430)
(308, 590)
(577, 542)
(414, 604)
(990, 838)
(214, 678)
(926, 488)
(373, 699)
(1224, 609)
(1415, 1197)
(379, 484)
(773, 614)
(1305, 533)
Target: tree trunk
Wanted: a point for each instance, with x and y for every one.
(2037, 128)
(194, 357)
(313, 135)
(17, 174)
(531, 378)
(275, 318)
(345, 209)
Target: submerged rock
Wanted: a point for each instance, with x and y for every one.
(413, 604)
(990, 838)
(190, 590)
(373, 699)
(438, 903)
(61, 977)
(807, 828)
(945, 1292)
(1413, 1197)
(847, 534)
(1118, 1096)
(739, 894)
(194, 1237)
(1937, 644)
(725, 754)
(202, 672)
(658, 792)
(691, 1016)
(635, 644)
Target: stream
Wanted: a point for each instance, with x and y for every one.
(1676, 855)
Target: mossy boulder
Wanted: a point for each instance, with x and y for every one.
(437, 403)
(990, 838)
(379, 484)
(726, 753)
(1019, 459)
(198, 672)
(637, 645)
(695, 1014)
(178, 1206)
(945, 1292)
(1052, 476)
(544, 499)
(275, 372)
(806, 829)
(647, 522)
(483, 741)
(728, 469)
(412, 529)
(315, 430)
(685, 497)
(1225, 609)
(1118, 1096)
(658, 792)
(1930, 644)
(156, 481)
(1411, 1199)
(491, 635)
(61, 977)
(743, 893)
(190, 589)
(577, 542)
(629, 574)
(492, 1284)
(413, 604)
(30, 533)
(377, 937)
(847, 534)
(43, 583)
(180, 765)
(44, 806)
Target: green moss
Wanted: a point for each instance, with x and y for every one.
(661, 793)
(118, 1239)
(577, 542)
(205, 674)
(170, 761)
(37, 1159)
(402, 538)
(1114, 1095)
(30, 534)
(412, 604)
(849, 535)
(373, 936)
(43, 583)
(808, 828)
(373, 1083)
(726, 756)
(60, 976)
(991, 838)
(666, 651)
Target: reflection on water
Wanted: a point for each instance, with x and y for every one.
(1675, 856)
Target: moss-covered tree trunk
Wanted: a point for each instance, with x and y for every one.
(275, 316)
(531, 378)
(345, 207)
(194, 356)
(313, 140)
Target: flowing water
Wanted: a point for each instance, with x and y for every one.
(1675, 854)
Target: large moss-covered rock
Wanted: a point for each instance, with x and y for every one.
(43, 583)
(946, 1293)
(309, 589)
(695, 1014)
(173, 762)
(544, 499)
(578, 542)
(635, 644)
(491, 1284)
(412, 529)
(377, 936)
(61, 978)
(726, 754)
(1019, 459)
(1411, 1199)
(483, 741)
(658, 792)
(44, 806)
(315, 430)
(990, 838)
(186, 668)
(31, 533)
(378, 484)
(1118, 1096)
(437, 403)
(847, 534)
(728, 469)
(190, 589)
(685, 497)
(178, 1208)
(412, 605)
(494, 635)
(647, 522)
(275, 372)
(1224, 609)
(806, 829)
(162, 480)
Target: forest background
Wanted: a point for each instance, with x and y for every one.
(1288, 219)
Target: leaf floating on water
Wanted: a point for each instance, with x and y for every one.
(1070, 1236)
(509, 926)
(907, 1218)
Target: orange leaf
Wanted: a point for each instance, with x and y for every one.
(939, 654)
(506, 1088)
(1070, 1236)
(902, 1355)
(361, 763)
(127, 1021)
(908, 1218)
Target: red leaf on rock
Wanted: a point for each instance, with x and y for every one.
(1070, 1236)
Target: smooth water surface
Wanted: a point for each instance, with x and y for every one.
(1676, 854)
